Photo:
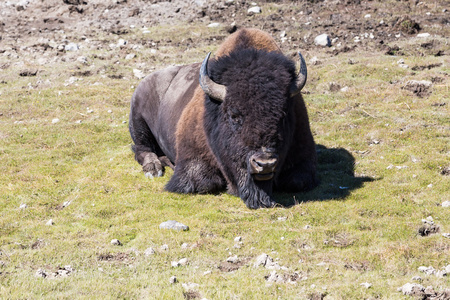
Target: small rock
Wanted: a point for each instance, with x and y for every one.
(164, 247)
(23, 206)
(207, 272)
(233, 259)
(261, 260)
(174, 264)
(282, 218)
(130, 56)
(412, 289)
(423, 35)
(184, 246)
(367, 16)
(109, 111)
(307, 227)
(213, 25)
(254, 10)
(149, 251)
(447, 235)
(345, 89)
(366, 285)
(238, 239)
(446, 204)
(82, 59)
(174, 225)
(138, 73)
(71, 47)
(173, 279)
(49, 222)
(116, 242)
(427, 270)
(314, 61)
(41, 273)
(183, 262)
(122, 43)
(322, 40)
(429, 220)
(417, 278)
(54, 121)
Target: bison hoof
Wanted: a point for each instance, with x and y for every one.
(152, 175)
(153, 170)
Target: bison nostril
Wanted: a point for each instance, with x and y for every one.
(263, 165)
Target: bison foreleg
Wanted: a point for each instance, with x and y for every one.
(195, 177)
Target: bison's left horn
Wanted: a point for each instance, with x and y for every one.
(301, 77)
(212, 89)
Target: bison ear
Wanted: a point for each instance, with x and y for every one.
(213, 90)
(299, 83)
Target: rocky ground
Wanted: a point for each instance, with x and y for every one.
(37, 30)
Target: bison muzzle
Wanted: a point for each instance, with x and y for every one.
(235, 122)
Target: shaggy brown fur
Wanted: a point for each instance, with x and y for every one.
(223, 145)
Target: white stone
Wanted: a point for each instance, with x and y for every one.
(130, 56)
(54, 121)
(49, 222)
(322, 40)
(122, 43)
(366, 285)
(446, 204)
(190, 286)
(23, 206)
(173, 279)
(164, 247)
(238, 239)
(138, 73)
(149, 251)
(254, 10)
(183, 262)
(367, 16)
(115, 242)
(427, 270)
(213, 25)
(233, 259)
(423, 35)
(411, 289)
(71, 47)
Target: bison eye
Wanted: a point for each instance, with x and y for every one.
(236, 119)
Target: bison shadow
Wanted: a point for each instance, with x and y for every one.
(336, 168)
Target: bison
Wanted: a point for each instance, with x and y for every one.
(236, 122)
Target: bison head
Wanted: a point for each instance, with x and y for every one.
(249, 120)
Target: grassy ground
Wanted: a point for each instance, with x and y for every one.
(381, 153)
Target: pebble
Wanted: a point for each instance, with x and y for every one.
(116, 242)
(138, 73)
(23, 206)
(366, 285)
(164, 247)
(254, 10)
(122, 43)
(130, 56)
(314, 61)
(429, 220)
(267, 262)
(423, 35)
(322, 40)
(412, 289)
(149, 251)
(184, 246)
(71, 47)
(233, 259)
(447, 235)
(54, 121)
(50, 222)
(174, 225)
(446, 204)
(173, 279)
(238, 239)
(213, 25)
(82, 59)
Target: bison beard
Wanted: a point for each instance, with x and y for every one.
(245, 129)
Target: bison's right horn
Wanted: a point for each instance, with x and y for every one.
(212, 89)
(301, 77)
